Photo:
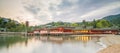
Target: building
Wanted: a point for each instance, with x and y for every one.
(44, 31)
(37, 31)
(3, 29)
(107, 31)
(60, 30)
(68, 31)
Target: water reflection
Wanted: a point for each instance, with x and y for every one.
(62, 39)
(7, 41)
(51, 44)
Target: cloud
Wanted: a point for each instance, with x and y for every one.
(103, 11)
(32, 9)
(43, 11)
(94, 10)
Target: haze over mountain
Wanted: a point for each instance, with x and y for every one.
(105, 22)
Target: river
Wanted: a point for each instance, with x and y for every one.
(50, 44)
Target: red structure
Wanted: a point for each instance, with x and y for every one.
(44, 31)
(60, 30)
(37, 31)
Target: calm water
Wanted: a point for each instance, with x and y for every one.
(49, 44)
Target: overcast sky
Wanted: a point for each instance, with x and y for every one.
(43, 11)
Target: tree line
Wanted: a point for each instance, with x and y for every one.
(12, 25)
(84, 24)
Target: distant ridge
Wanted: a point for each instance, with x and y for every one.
(114, 19)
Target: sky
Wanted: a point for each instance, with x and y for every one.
(39, 12)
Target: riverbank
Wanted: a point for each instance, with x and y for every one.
(112, 43)
(110, 40)
(111, 49)
(12, 33)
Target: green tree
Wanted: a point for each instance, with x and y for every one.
(74, 24)
(12, 25)
(94, 23)
(103, 24)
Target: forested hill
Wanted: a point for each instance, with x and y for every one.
(10, 25)
(114, 19)
(108, 21)
(105, 22)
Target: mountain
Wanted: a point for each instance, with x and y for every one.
(114, 19)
